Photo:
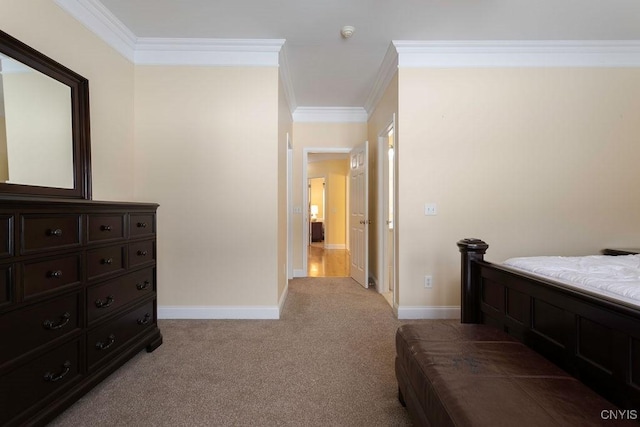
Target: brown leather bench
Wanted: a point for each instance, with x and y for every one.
(453, 374)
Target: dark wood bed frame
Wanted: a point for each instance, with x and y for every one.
(595, 339)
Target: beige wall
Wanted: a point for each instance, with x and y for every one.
(379, 121)
(195, 152)
(316, 135)
(206, 150)
(534, 161)
(316, 193)
(47, 28)
(285, 134)
(336, 215)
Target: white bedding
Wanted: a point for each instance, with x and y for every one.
(615, 277)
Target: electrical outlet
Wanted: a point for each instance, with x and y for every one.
(428, 282)
(430, 209)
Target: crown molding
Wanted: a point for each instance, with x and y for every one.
(216, 52)
(387, 70)
(171, 51)
(521, 53)
(401, 54)
(287, 82)
(99, 20)
(501, 53)
(330, 115)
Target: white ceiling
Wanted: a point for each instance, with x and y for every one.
(328, 71)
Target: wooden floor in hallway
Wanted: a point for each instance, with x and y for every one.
(323, 262)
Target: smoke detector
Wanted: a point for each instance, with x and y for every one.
(347, 31)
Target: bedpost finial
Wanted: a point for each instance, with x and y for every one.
(471, 244)
(471, 250)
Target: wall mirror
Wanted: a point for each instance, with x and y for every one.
(44, 125)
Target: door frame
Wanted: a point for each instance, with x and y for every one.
(289, 208)
(383, 200)
(305, 195)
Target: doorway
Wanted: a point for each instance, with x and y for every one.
(325, 249)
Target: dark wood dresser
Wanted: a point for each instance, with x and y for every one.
(317, 232)
(77, 299)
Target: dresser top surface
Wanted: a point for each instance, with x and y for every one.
(43, 202)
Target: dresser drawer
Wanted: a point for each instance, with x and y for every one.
(108, 297)
(105, 227)
(39, 379)
(142, 252)
(106, 340)
(104, 261)
(51, 274)
(6, 284)
(26, 329)
(6, 235)
(142, 224)
(50, 231)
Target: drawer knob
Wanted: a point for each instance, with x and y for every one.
(51, 325)
(105, 303)
(142, 225)
(107, 261)
(54, 274)
(142, 286)
(105, 228)
(108, 343)
(66, 368)
(144, 320)
(142, 253)
(57, 232)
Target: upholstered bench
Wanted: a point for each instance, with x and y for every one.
(453, 374)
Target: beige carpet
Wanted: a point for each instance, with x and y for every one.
(327, 362)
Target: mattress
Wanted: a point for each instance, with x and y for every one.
(613, 277)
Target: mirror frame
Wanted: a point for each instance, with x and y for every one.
(80, 132)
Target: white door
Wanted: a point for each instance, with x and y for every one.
(387, 229)
(358, 214)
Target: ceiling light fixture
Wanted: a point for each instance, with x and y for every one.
(347, 31)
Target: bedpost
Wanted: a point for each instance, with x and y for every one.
(471, 250)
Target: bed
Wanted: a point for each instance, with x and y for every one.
(595, 336)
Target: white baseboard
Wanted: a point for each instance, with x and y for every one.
(268, 312)
(218, 312)
(335, 246)
(426, 312)
(299, 273)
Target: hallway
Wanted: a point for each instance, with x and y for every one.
(327, 262)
